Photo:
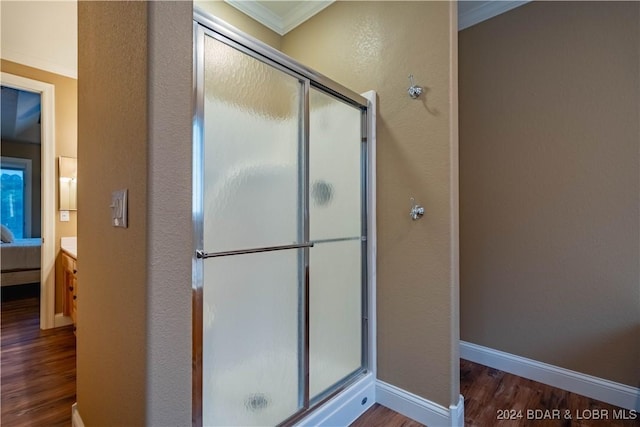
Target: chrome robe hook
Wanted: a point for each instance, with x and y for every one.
(417, 211)
(414, 90)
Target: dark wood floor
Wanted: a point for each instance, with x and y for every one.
(490, 394)
(38, 374)
(379, 416)
(37, 368)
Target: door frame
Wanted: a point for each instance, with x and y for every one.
(47, 193)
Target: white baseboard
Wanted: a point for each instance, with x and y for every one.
(76, 421)
(457, 413)
(617, 394)
(346, 406)
(61, 320)
(417, 408)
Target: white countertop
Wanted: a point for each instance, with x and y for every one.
(70, 246)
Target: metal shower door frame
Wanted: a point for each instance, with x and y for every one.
(206, 25)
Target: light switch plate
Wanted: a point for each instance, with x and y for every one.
(64, 216)
(119, 211)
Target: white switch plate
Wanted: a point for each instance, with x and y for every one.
(119, 208)
(64, 216)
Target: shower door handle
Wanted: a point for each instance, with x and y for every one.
(204, 255)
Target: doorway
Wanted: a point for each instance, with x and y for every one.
(47, 258)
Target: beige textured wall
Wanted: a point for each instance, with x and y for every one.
(66, 134)
(170, 235)
(376, 45)
(549, 140)
(112, 263)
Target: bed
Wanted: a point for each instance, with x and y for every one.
(20, 261)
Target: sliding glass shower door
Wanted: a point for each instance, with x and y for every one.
(279, 212)
(337, 230)
(252, 200)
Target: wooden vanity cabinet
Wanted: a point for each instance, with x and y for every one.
(70, 280)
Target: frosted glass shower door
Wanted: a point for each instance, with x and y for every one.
(280, 234)
(252, 321)
(336, 215)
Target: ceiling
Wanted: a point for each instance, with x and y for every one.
(20, 116)
(41, 34)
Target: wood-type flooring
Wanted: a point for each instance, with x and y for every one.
(37, 368)
(38, 375)
(491, 394)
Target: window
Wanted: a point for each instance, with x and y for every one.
(15, 196)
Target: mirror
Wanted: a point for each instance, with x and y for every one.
(68, 174)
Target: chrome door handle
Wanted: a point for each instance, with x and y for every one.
(204, 255)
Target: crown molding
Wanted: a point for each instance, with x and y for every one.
(302, 12)
(280, 24)
(485, 10)
(258, 12)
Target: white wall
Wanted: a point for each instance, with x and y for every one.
(41, 34)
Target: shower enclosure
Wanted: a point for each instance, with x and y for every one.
(280, 215)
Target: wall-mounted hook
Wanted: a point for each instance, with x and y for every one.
(414, 90)
(416, 211)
